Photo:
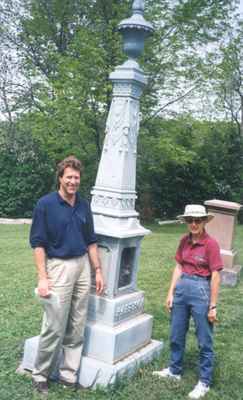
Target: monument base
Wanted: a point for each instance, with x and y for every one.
(93, 372)
(229, 258)
(231, 276)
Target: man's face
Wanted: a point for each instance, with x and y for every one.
(69, 182)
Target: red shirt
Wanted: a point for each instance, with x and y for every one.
(200, 258)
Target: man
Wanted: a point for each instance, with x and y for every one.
(62, 236)
(193, 293)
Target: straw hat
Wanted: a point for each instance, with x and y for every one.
(196, 211)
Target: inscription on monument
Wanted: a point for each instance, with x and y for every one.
(127, 309)
(113, 202)
(114, 314)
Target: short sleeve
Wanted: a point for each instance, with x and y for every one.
(178, 255)
(90, 236)
(38, 234)
(215, 261)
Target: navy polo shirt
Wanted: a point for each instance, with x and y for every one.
(62, 230)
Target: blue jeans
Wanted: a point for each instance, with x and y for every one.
(191, 298)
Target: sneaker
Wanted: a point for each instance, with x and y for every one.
(40, 387)
(166, 373)
(68, 385)
(199, 390)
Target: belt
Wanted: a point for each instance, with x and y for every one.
(195, 277)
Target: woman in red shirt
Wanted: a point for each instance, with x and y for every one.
(193, 293)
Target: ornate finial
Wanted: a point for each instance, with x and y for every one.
(134, 30)
(138, 7)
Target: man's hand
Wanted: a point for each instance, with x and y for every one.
(169, 302)
(44, 287)
(99, 281)
(96, 264)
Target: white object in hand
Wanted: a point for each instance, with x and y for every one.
(52, 298)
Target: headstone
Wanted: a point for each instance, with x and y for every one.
(222, 228)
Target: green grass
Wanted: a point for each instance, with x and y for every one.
(20, 318)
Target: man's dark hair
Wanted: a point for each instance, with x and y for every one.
(71, 162)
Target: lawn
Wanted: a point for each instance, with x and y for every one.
(20, 317)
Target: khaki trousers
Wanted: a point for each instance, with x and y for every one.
(64, 318)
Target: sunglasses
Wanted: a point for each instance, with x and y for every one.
(190, 220)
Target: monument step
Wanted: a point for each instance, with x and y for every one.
(111, 344)
(95, 373)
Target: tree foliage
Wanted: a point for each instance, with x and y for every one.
(188, 161)
(26, 173)
(69, 47)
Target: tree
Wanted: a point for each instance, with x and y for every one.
(178, 55)
(60, 40)
(229, 77)
(188, 161)
(26, 173)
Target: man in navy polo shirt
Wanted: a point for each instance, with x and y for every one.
(62, 236)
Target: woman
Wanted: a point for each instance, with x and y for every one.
(193, 292)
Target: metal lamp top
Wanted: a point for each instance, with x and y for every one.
(136, 21)
(138, 6)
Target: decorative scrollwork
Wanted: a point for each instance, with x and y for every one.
(122, 125)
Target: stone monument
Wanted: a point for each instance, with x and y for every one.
(222, 227)
(118, 332)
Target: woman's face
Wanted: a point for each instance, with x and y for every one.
(196, 225)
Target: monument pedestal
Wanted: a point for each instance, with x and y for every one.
(222, 228)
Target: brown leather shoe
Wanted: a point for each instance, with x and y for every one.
(40, 387)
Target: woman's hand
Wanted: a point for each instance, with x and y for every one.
(169, 302)
(212, 315)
